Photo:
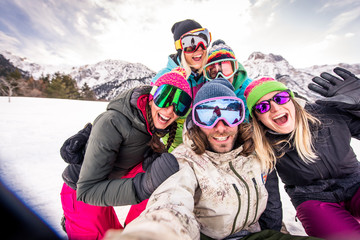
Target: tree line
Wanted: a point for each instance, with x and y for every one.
(50, 86)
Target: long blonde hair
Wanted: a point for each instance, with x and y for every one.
(301, 138)
(187, 67)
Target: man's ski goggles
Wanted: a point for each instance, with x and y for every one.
(225, 68)
(169, 95)
(191, 41)
(280, 99)
(208, 112)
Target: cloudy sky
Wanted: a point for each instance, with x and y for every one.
(305, 32)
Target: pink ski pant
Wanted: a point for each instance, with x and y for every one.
(338, 221)
(85, 221)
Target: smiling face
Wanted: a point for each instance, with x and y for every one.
(162, 117)
(195, 59)
(221, 137)
(280, 118)
(225, 67)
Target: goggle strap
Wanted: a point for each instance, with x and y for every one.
(153, 90)
(178, 44)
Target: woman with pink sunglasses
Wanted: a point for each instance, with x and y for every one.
(310, 149)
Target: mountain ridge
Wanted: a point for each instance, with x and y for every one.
(109, 77)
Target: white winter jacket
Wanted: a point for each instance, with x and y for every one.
(215, 194)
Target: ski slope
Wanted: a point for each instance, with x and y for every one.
(32, 132)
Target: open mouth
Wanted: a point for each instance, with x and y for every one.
(281, 119)
(197, 58)
(162, 118)
(221, 139)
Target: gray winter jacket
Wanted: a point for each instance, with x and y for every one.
(118, 141)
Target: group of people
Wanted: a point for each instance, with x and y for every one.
(191, 174)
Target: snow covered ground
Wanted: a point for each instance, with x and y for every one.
(32, 131)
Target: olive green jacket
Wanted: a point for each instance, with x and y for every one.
(118, 141)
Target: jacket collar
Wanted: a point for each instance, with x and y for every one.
(219, 158)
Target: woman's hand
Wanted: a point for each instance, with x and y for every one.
(342, 93)
(156, 172)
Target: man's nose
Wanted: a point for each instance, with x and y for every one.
(220, 126)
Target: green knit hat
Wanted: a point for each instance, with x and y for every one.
(258, 88)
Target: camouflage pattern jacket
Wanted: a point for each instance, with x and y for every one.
(213, 194)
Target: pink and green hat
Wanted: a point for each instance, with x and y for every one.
(177, 78)
(258, 88)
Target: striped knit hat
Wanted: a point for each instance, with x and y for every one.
(177, 78)
(219, 87)
(219, 50)
(258, 88)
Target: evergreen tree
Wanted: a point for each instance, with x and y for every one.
(86, 93)
(62, 86)
(56, 88)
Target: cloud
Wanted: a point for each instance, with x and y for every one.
(7, 42)
(343, 19)
(330, 5)
(88, 31)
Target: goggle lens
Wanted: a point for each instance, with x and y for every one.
(194, 48)
(191, 41)
(280, 99)
(225, 68)
(167, 95)
(207, 113)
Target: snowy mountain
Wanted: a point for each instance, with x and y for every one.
(34, 69)
(106, 78)
(259, 64)
(109, 77)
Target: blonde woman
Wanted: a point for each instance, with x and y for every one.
(310, 149)
(191, 43)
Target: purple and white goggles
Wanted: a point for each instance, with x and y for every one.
(208, 112)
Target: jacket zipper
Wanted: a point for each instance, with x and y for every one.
(257, 200)
(239, 207)
(248, 191)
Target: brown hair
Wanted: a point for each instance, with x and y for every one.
(200, 142)
(155, 142)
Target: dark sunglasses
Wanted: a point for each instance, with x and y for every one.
(167, 95)
(279, 98)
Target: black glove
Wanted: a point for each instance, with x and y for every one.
(71, 175)
(159, 170)
(340, 93)
(73, 149)
(149, 157)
